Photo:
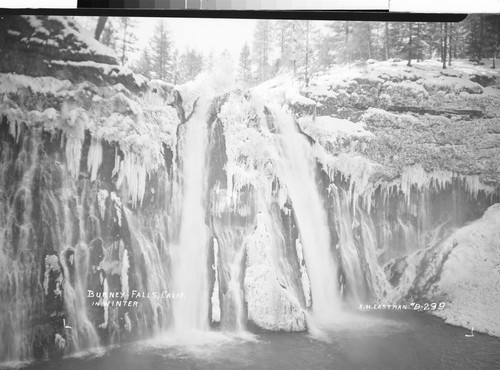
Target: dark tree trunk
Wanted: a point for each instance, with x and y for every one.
(419, 53)
(495, 43)
(386, 40)
(307, 53)
(369, 34)
(410, 45)
(101, 23)
(445, 45)
(347, 47)
(450, 42)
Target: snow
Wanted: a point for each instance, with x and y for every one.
(12, 83)
(139, 125)
(80, 33)
(107, 69)
(84, 43)
(463, 271)
(269, 306)
(282, 89)
(470, 279)
(250, 149)
(397, 81)
(51, 264)
(327, 130)
(416, 177)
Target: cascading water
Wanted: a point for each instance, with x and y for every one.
(297, 165)
(154, 256)
(190, 270)
(292, 231)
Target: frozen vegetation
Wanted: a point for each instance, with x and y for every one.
(400, 165)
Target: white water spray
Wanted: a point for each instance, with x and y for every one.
(190, 257)
(297, 169)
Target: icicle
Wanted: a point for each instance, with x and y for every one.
(215, 294)
(124, 273)
(118, 206)
(133, 173)
(101, 201)
(94, 158)
(73, 154)
(105, 303)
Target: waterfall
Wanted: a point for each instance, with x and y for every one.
(297, 165)
(190, 270)
(155, 262)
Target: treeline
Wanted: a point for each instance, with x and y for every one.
(304, 47)
(159, 59)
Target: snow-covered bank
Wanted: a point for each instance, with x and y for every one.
(463, 271)
(470, 277)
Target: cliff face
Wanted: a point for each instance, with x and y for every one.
(81, 138)
(376, 169)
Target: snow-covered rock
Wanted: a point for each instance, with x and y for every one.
(270, 305)
(463, 271)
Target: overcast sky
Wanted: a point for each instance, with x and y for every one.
(202, 34)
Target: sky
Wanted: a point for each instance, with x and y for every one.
(203, 34)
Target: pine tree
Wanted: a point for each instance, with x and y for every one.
(191, 64)
(144, 65)
(109, 34)
(492, 37)
(262, 48)
(474, 40)
(245, 66)
(161, 51)
(387, 43)
(174, 67)
(127, 38)
(282, 31)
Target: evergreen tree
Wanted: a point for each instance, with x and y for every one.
(245, 66)
(282, 31)
(191, 64)
(109, 34)
(174, 67)
(144, 65)
(161, 52)
(262, 48)
(126, 38)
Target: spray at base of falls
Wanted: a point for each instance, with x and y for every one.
(190, 270)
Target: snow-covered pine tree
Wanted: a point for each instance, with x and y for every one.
(161, 51)
(144, 65)
(282, 31)
(245, 66)
(174, 67)
(126, 38)
(110, 34)
(262, 47)
(191, 64)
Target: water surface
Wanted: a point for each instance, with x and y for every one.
(382, 340)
